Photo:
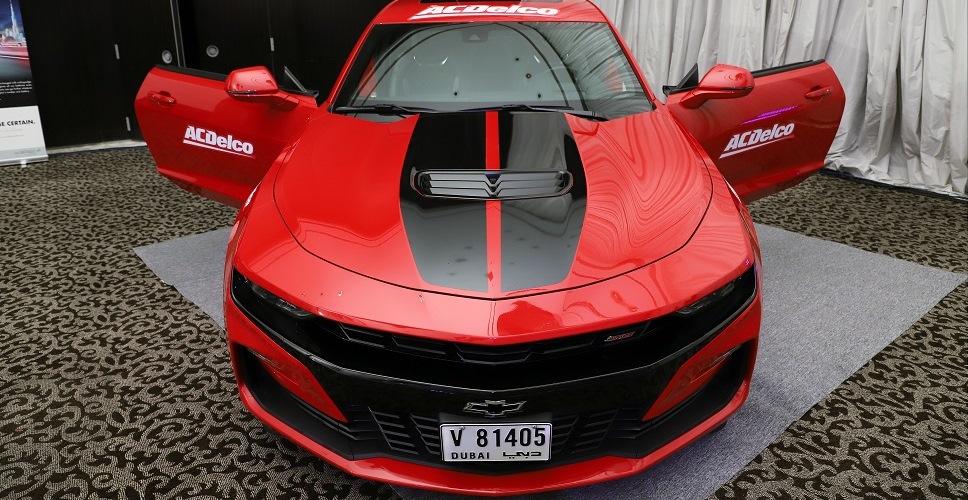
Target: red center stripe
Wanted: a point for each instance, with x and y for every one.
(493, 209)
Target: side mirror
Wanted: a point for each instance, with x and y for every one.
(721, 82)
(256, 84)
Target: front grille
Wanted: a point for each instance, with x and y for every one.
(486, 355)
(453, 364)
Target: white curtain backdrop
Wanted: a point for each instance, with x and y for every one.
(903, 65)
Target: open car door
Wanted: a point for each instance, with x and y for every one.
(767, 130)
(215, 135)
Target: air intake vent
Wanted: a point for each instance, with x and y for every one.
(491, 184)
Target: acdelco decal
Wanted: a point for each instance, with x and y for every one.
(483, 10)
(752, 139)
(209, 139)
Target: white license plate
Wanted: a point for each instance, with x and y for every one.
(495, 442)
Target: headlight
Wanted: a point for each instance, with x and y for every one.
(708, 300)
(275, 301)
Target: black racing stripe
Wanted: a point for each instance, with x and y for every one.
(539, 238)
(448, 238)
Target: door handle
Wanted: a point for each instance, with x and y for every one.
(161, 98)
(818, 92)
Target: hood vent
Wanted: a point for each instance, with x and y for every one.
(491, 184)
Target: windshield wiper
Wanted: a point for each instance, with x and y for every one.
(590, 115)
(382, 109)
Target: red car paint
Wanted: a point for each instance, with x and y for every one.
(787, 99)
(320, 226)
(660, 212)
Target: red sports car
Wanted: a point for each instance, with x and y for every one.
(490, 261)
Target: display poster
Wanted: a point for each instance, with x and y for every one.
(21, 136)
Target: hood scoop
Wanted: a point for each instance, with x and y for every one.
(491, 184)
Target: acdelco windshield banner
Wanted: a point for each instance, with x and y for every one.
(21, 137)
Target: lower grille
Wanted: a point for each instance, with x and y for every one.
(371, 432)
(398, 431)
(571, 434)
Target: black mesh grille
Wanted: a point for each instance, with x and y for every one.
(405, 434)
(571, 434)
(576, 437)
(487, 355)
(397, 431)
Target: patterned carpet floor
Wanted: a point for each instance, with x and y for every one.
(113, 385)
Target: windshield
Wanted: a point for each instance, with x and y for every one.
(463, 66)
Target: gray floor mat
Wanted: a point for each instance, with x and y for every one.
(828, 308)
(194, 266)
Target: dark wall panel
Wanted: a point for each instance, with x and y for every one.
(222, 35)
(86, 88)
(75, 71)
(144, 31)
(314, 38)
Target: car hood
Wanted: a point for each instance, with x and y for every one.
(377, 198)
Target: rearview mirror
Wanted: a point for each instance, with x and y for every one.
(256, 84)
(721, 82)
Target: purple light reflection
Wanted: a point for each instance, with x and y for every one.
(771, 114)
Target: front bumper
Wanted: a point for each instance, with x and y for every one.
(385, 425)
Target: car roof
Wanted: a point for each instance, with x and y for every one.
(412, 11)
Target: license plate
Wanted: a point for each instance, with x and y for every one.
(495, 442)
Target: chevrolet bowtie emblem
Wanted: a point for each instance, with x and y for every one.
(494, 409)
